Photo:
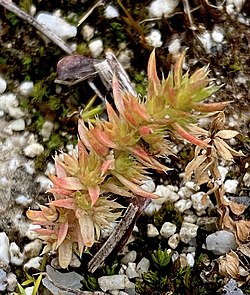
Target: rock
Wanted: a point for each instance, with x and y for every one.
(231, 288)
(186, 260)
(183, 205)
(191, 218)
(205, 39)
(173, 241)
(16, 257)
(33, 249)
(96, 47)
(124, 58)
(7, 101)
(223, 172)
(188, 232)
(26, 88)
(246, 179)
(45, 182)
(47, 129)
(23, 200)
(152, 231)
(167, 229)
(221, 242)
(199, 201)
(159, 8)
(174, 46)
(12, 282)
(88, 32)
(143, 266)
(154, 38)
(114, 282)
(4, 248)
(3, 280)
(167, 193)
(17, 125)
(33, 150)
(217, 34)
(129, 257)
(3, 85)
(34, 263)
(16, 113)
(230, 186)
(148, 185)
(57, 25)
(111, 12)
(131, 271)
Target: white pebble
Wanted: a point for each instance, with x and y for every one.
(4, 248)
(3, 280)
(200, 202)
(23, 200)
(174, 46)
(217, 34)
(159, 8)
(183, 205)
(16, 257)
(246, 179)
(167, 229)
(12, 282)
(152, 231)
(88, 32)
(205, 39)
(26, 88)
(223, 172)
(129, 257)
(7, 101)
(45, 182)
(3, 85)
(17, 125)
(34, 263)
(188, 232)
(96, 47)
(114, 282)
(33, 150)
(148, 185)
(143, 266)
(16, 113)
(154, 38)
(221, 242)
(230, 186)
(30, 233)
(57, 25)
(167, 193)
(131, 271)
(47, 129)
(33, 249)
(111, 12)
(174, 241)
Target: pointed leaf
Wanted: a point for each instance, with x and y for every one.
(65, 251)
(226, 134)
(69, 183)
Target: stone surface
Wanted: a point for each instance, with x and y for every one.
(16, 257)
(129, 257)
(152, 231)
(57, 25)
(96, 47)
(111, 12)
(188, 231)
(131, 271)
(173, 241)
(154, 38)
(88, 32)
(17, 125)
(230, 186)
(183, 205)
(16, 112)
(167, 193)
(114, 282)
(7, 101)
(33, 150)
(47, 129)
(26, 88)
(3, 280)
(159, 8)
(221, 242)
(167, 229)
(4, 248)
(3, 85)
(143, 266)
(199, 201)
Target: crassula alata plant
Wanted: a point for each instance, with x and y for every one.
(112, 156)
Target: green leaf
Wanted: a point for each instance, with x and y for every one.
(37, 284)
(21, 289)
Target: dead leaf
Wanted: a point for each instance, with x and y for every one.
(243, 230)
(226, 134)
(229, 265)
(244, 249)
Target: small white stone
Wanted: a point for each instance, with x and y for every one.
(167, 193)
(129, 257)
(131, 271)
(223, 172)
(173, 241)
(159, 8)
(96, 47)
(16, 257)
(114, 282)
(186, 260)
(174, 46)
(33, 249)
(57, 25)
(16, 113)
(148, 185)
(7, 101)
(151, 208)
(29, 167)
(154, 38)
(246, 179)
(50, 169)
(26, 88)
(3, 280)
(230, 186)
(88, 32)
(221, 242)
(206, 41)
(191, 218)
(183, 205)
(45, 182)
(143, 266)
(167, 229)
(17, 125)
(4, 248)
(34, 263)
(12, 282)
(29, 290)
(188, 232)
(47, 129)
(23, 200)
(75, 261)
(124, 58)
(111, 12)
(33, 150)
(190, 259)
(217, 34)
(152, 231)
(200, 202)
(3, 85)
(30, 233)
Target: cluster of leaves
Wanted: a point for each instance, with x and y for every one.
(113, 156)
